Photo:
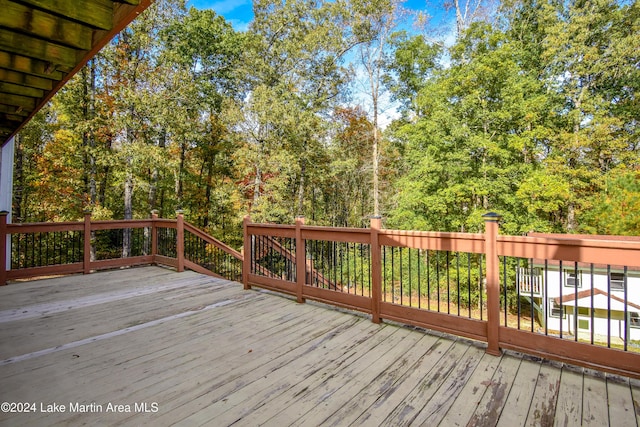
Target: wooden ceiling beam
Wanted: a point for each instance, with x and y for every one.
(26, 103)
(96, 13)
(14, 111)
(42, 39)
(35, 67)
(36, 48)
(15, 89)
(25, 79)
(44, 25)
(11, 118)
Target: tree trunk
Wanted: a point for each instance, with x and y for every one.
(301, 189)
(152, 199)
(91, 137)
(209, 185)
(256, 184)
(179, 180)
(128, 209)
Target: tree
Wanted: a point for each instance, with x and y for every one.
(468, 151)
(294, 75)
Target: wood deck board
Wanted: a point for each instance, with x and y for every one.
(621, 403)
(595, 411)
(470, 395)
(569, 404)
(497, 390)
(518, 402)
(209, 353)
(635, 393)
(542, 410)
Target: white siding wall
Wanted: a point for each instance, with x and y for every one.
(6, 183)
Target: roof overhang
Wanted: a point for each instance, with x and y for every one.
(43, 43)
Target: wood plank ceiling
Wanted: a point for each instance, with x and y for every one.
(45, 42)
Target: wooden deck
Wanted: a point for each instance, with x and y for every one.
(148, 346)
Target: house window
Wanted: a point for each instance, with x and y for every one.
(583, 311)
(583, 324)
(617, 281)
(556, 310)
(634, 320)
(572, 279)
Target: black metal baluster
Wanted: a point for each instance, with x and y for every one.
(438, 277)
(428, 281)
(419, 278)
(384, 273)
(518, 279)
(608, 306)
(410, 284)
(562, 310)
(546, 297)
(458, 278)
(401, 277)
(626, 309)
(480, 286)
(575, 299)
(591, 313)
(531, 278)
(469, 282)
(448, 261)
(393, 283)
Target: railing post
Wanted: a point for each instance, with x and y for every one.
(3, 247)
(301, 269)
(180, 240)
(87, 243)
(154, 235)
(247, 254)
(376, 269)
(493, 283)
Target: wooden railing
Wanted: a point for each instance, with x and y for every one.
(464, 284)
(45, 249)
(584, 309)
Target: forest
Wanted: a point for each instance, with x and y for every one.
(342, 110)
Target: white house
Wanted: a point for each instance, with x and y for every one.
(599, 301)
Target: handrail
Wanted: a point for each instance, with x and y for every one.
(49, 251)
(212, 240)
(406, 276)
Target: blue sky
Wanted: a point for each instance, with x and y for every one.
(239, 12)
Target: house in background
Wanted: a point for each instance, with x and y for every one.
(600, 302)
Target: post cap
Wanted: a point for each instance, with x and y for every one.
(4, 213)
(155, 211)
(492, 217)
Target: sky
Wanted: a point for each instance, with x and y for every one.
(239, 12)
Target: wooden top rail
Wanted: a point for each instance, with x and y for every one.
(212, 240)
(44, 227)
(165, 223)
(117, 224)
(428, 240)
(351, 235)
(272, 230)
(598, 251)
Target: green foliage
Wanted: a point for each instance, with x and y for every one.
(615, 210)
(533, 115)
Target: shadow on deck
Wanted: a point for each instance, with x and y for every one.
(151, 346)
